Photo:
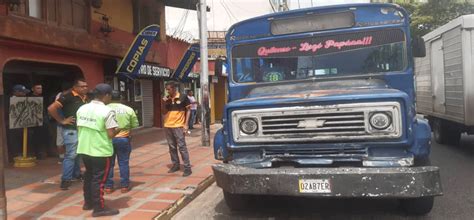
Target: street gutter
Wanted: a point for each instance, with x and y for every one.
(168, 213)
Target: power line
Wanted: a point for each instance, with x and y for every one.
(213, 16)
(230, 11)
(270, 1)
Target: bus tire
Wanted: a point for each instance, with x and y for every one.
(236, 202)
(445, 133)
(417, 206)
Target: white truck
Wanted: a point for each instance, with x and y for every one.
(445, 80)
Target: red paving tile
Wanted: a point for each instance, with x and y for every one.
(41, 207)
(17, 205)
(169, 196)
(37, 197)
(136, 215)
(153, 206)
(14, 193)
(121, 203)
(150, 164)
(71, 211)
(192, 180)
(140, 194)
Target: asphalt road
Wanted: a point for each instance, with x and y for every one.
(457, 173)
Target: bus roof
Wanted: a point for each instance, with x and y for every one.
(365, 15)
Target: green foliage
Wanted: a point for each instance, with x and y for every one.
(426, 17)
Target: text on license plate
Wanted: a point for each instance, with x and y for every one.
(314, 186)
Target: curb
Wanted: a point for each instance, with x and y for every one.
(168, 213)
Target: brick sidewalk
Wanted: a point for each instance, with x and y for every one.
(33, 193)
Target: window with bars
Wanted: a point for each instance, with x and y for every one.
(145, 13)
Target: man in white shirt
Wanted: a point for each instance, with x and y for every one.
(193, 109)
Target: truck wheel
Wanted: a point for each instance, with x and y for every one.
(236, 202)
(445, 133)
(417, 206)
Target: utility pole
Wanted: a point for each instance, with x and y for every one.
(205, 115)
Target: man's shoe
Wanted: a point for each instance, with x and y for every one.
(105, 212)
(174, 169)
(108, 190)
(125, 189)
(87, 206)
(65, 184)
(187, 172)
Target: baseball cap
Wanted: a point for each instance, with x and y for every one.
(20, 88)
(103, 89)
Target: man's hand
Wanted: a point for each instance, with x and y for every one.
(185, 130)
(165, 98)
(68, 121)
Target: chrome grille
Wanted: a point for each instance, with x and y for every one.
(321, 152)
(329, 123)
(342, 122)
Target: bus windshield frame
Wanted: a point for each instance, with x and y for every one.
(323, 56)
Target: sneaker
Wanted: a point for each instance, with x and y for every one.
(87, 206)
(187, 172)
(105, 212)
(108, 190)
(125, 189)
(174, 169)
(65, 184)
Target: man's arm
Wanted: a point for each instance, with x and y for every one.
(163, 105)
(134, 120)
(188, 114)
(187, 103)
(53, 111)
(111, 125)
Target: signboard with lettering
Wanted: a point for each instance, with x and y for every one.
(187, 63)
(147, 70)
(25, 112)
(319, 45)
(135, 57)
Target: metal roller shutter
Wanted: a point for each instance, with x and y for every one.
(147, 102)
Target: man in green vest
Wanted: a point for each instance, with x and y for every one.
(96, 127)
(127, 120)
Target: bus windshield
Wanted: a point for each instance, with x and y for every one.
(323, 56)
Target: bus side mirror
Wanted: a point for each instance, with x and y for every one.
(419, 48)
(220, 66)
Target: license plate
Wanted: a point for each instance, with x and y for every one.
(314, 186)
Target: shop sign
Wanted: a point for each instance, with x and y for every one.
(215, 79)
(147, 70)
(187, 63)
(135, 57)
(25, 112)
(193, 76)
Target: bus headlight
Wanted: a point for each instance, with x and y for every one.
(248, 125)
(380, 121)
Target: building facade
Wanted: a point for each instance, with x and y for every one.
(56, 41)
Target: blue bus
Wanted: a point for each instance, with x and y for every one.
(322, 104)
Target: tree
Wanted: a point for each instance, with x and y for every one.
(426, 17)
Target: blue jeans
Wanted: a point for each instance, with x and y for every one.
(71, 163)
(122, 150)
(192, 118)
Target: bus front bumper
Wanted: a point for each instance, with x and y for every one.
(396, 182)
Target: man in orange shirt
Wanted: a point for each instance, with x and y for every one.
(176, 107)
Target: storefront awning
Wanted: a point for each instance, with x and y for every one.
(184, 4)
